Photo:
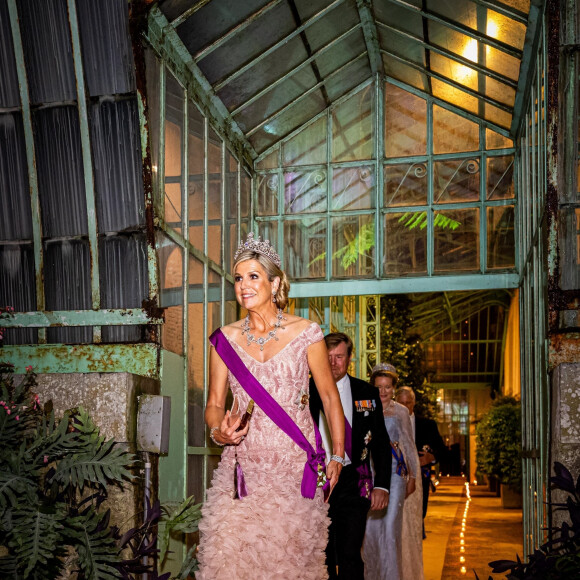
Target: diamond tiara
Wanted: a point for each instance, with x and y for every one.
(259, 246)
(386, 368)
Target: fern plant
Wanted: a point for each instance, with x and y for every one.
(54, 477)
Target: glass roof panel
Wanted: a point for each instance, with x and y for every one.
(285, 93)
(270, 69)
(399, 17)
(405, 73)
(331, 26)
(453, 133)
(403, 47)
(501, 62)
(494, 140)
(246, 45)
(453, 70)
(497, 116)
(505, 29)
(500, 92)
(296, 115)
(353, 75)
(210, 22)
(348, 49)
(521, 5)
(455, 96)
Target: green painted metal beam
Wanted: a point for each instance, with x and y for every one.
(30, 157)
(118, 317)
(139, 359)
(190, 11)
(371, 35)
(87, 160)
(527, 66)
(403, 285)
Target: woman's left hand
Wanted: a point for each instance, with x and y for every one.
(333, 470)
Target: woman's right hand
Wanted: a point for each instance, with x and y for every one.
(227, 434)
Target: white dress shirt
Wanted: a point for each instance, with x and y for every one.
(346, 399)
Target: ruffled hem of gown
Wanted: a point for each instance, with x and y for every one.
(273, 532)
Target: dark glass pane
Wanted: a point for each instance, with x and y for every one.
(15, 216)
(46, 40)
(353, 244)
(106, 46)
(305, 248)
(456, 240)
(500, 177)
(116, 147)
(353, 187)
(405, 244)
(405, 123)
(170, 257)
(60, 172)
(231, 210)
(123, 279)
(305, 191)
(214, 205)
(67, 283)
(456, 180)
(352, 127)
(267, 190)
(405, 184)
(18, 288)
(9, 95)
(196, 169)
(500, 237)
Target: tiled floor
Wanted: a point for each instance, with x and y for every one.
(491, 532)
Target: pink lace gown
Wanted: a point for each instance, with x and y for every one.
(273, 532)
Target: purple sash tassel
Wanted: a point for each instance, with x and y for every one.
(314, 471)
(240, 490)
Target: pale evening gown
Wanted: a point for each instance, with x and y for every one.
(413, 525)
(273, 532)
(384, 540)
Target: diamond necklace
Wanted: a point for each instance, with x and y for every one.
(262, 341)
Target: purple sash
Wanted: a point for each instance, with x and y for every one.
(315, 460)
(365, 478)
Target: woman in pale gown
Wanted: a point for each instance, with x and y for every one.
(384, 544)
(269, 526)
(412, 514)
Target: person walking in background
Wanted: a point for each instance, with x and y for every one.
(384, 539)
(365, 438)
(275, 464)
(428, 441)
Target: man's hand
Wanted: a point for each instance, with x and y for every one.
(379, 499)
(426, 458)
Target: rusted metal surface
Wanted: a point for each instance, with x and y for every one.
(564, 348)
(138, 359)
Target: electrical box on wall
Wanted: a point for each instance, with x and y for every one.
(153, 423)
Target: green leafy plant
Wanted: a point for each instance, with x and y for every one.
(498, 436)
(559, 557)
(54, 478)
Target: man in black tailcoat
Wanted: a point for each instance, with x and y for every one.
(354, 494)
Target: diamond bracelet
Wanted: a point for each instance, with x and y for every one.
(338, 459)
(211, 432)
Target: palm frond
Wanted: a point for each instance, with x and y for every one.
(183, 519)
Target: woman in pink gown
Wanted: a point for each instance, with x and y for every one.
(273, 531)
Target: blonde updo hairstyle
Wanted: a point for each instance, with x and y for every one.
(272, 271)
